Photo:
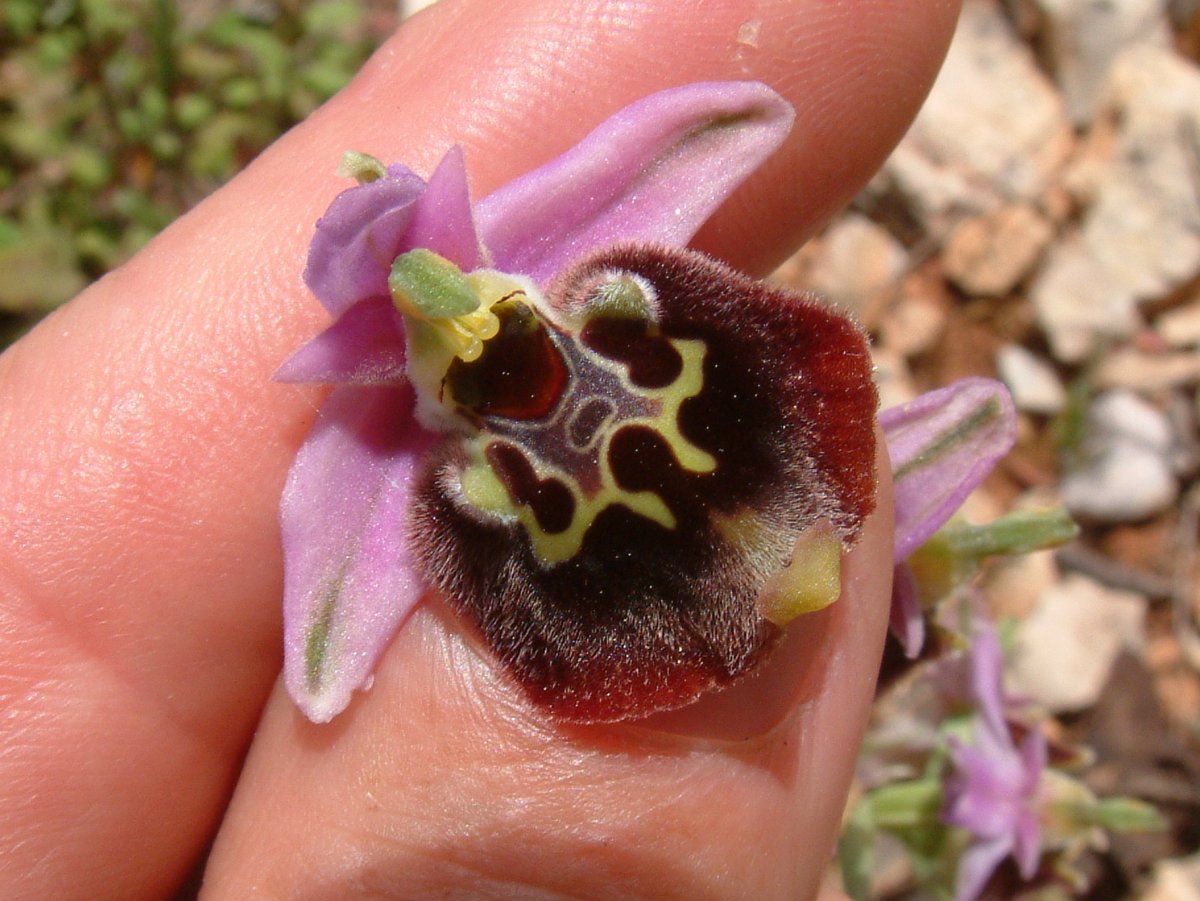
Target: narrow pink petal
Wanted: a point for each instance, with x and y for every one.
(653, 172)
(942, 445)
(977, 864)
(987, 676)
(1034, 754)
(364, 347)
(1028, 844)
(906, 619)
(358, 237)
(349, 581)
(1028, 833)
(443, 221)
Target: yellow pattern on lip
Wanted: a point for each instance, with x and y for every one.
(482, 486)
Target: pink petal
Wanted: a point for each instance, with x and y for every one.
(358, 237)
(906, 619)
(349, 581)
(653, 172)
(1027, 840)
(987, 681)
(443, 221)
(1027, 833)
(364, 347)
(942, 445)
(977, 864)
(1033, 759)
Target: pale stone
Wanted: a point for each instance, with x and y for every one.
(1131, 368)
(412, 7)
(1125, 474)
(1127, 483)
(1084, 37)
(1035, 386)
(1175, 880)
(1180, 327)
(1014, 584)
(1140, 235)
(992, 131)
(1077, 303)
(989, 255)
(1124, 413)
(913, 325)
(1065, 649)
(858, 266)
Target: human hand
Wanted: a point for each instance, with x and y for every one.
(143, 448)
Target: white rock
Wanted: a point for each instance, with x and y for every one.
(1065, 649)
(1180, 327)
(1140, 235)
(858, 266)
(412, 7)
(1014, 584)
(1035, 386)
(1086, 36)
(913, 325)
(1126, 470)
(1175, 880)
(1132, 368)
(1078, 304)
(987, 256)
(993, 129)
(1126, 484)
(1124, 414)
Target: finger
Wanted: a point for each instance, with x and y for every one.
(143, 445)
(444, 780)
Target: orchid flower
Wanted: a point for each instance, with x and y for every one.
(995, 790)
(652, 173)
(625, 464)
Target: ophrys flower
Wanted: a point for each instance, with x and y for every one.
(625, 464)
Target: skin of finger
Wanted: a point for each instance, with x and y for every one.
(143, 446)
(443, 779)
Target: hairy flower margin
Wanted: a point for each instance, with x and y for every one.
(653, 173)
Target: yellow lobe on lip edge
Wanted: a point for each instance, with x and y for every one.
(810, 582)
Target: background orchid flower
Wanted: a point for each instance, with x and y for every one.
(995, 790)
(655, 171)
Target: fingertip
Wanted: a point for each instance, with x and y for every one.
(825, 667)
(444, 774)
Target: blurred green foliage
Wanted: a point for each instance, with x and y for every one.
(118, 115)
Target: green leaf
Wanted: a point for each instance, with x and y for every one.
(241, 93)
(1021, 532)
(902, 805)
(39, 273)
(334, 17)
(192, 109)
(1124, 815)
(856, 852)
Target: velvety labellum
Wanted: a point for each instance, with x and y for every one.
(641, 454)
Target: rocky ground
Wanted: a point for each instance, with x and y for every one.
(1041, 224)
